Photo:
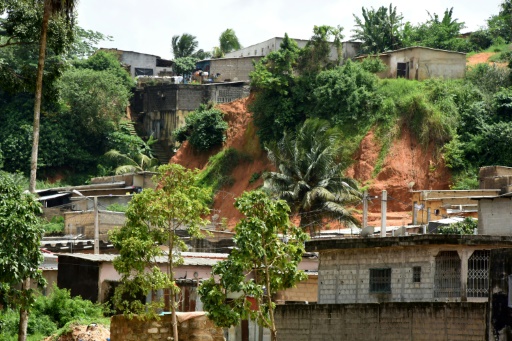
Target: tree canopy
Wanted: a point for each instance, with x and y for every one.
(265, 260)
(153, 217)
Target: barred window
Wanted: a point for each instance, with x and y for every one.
(478, 274)
(416, 274)
(447, 274)
(380, 281)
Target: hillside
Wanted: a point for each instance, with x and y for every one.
(405, 163)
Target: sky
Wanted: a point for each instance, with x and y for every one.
(148, 26)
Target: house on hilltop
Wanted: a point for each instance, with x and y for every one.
(143, 64)
(420, 63)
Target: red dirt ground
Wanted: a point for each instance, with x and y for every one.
(406, 163)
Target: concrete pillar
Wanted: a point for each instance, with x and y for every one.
(428, 215)
(96, 228)
(464, 256)
(365, 209)
(383, 209)
(414, 214)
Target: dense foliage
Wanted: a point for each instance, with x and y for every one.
(49, 314)
(204, 128)
(467, 226)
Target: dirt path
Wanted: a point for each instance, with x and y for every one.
(480, 58)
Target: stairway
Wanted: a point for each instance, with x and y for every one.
(161, 152)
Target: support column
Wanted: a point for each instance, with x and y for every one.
(414, 214)
(365, 209)
(96, 228)
(383, 209)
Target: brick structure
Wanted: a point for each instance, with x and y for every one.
(381, 322)
(198, 328)
(82, 222)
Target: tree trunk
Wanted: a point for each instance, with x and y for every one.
(172, 291)
(307, 223)
(39, 93)
(22, 327)
(273, 330)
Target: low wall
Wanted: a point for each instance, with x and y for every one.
(193, 329)
(387, 321)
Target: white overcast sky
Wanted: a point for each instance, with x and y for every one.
(147, 26)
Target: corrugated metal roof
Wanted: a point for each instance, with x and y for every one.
(189, 258)
(48, 197)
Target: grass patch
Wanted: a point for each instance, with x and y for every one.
(218, 171)
(115, 207)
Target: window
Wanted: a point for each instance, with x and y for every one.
(447, 274)
(478, 274)
(380, 281)
(80, 230)
(143, 72)
(416, 274)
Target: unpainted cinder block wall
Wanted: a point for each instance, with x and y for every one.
(194, 329)
(387, 321)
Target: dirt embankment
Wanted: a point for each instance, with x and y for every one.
(241, 135)
(407, 166)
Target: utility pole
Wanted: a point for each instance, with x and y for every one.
(383, 212)
(96, 228)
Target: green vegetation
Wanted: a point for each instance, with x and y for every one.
(219, 168)
(117, 207)
(19, 247)
(260, 265)
(467, 226)
(54, 227)
(204, 128)
(309, 175)
(52, 314)
(153, 217)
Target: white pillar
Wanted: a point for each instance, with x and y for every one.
(383, 209)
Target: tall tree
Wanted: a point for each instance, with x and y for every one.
(379, 30)
(184, 45)
(316, 55)
(19, 246)
(51, 8)
(261, 264)
(153, 217)
(310, 177)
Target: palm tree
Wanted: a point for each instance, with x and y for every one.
(184, 45)
(229, 41)
(51, 8)
(128, 164)
(310, 175)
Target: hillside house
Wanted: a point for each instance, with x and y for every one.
(237, 65)
(143, 64)
(422, 63)
(163, 108)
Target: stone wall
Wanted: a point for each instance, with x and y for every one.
(389, 321)
(194, 329)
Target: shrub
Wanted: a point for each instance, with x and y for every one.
(204, 129)
(345, 94)
(54, 227)
(467, 226)
(481, 39)
(218, 171)
(115, 207)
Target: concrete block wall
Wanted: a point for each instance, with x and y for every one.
(197, 328)
(495, 216)
(344, 275)
(386, 321)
